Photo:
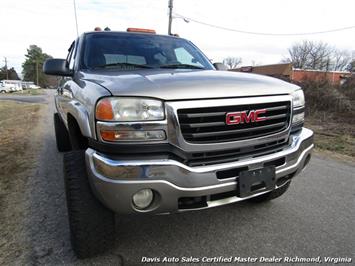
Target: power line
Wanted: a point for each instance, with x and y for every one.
(263, 33)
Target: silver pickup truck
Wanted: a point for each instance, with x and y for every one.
(149, 126)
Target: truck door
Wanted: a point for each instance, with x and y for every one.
(64, 90)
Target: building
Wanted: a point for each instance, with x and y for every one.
(29, 85)
(281, 71)
(288, 73)
(334, 77)
(12, 85)
(18, 85)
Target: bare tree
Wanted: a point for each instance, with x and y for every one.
(351, 66)
(318, 56)
(342, 59)
(310, 55)
(232, 62)
(299, 54)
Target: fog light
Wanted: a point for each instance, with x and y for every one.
(143, 198)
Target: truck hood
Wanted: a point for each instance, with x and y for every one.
(185, 84)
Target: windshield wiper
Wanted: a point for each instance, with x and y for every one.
(123, 64)
(181, 66)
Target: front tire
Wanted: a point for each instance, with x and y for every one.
(61, 134)
(270, 195)
(92, 226)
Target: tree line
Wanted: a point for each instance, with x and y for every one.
(33, 65)
(8, 73)
(311, 55)
(319, 56)
(31, 68)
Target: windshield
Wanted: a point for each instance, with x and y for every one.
(127, 51)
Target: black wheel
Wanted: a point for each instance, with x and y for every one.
(61, 134)
(270, 195)
(92, 226)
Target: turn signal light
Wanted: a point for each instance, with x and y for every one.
(104, 110)
(132, 135)
(108, 135)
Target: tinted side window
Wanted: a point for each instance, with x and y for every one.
(70, 56)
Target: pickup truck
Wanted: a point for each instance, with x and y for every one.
(150, 126)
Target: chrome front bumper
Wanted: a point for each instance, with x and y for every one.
(116, 181)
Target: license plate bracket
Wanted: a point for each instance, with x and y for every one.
(255, 181)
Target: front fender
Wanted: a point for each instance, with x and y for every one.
(81, 115)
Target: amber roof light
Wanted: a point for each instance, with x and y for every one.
(141, 30)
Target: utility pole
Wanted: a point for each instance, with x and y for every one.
(37, 72)
(76, 20)
(170, 16)
(7, 72)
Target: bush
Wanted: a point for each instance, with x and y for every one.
(322, 97)
(348, 88)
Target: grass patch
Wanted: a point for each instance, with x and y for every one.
(339, 144)
(19, 149)
(31, 92)
(17, 121)
(335, 137)
(330, 113)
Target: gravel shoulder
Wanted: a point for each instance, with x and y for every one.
(46, 216)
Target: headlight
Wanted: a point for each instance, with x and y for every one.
(298, 118)
(298, 109)
(129, 109)
(298, 98)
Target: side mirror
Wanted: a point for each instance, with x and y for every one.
(56, 67)
(220, 66)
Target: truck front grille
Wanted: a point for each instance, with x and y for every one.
(208, 124)
(225, 156)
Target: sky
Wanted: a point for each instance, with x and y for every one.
(51, 25)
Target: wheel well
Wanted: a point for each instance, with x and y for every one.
(78, 141)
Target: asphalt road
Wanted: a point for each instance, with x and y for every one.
(24, 98)
(315, 218)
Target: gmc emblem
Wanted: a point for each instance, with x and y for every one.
(242, 117)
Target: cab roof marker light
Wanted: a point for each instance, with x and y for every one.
(141, 30)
